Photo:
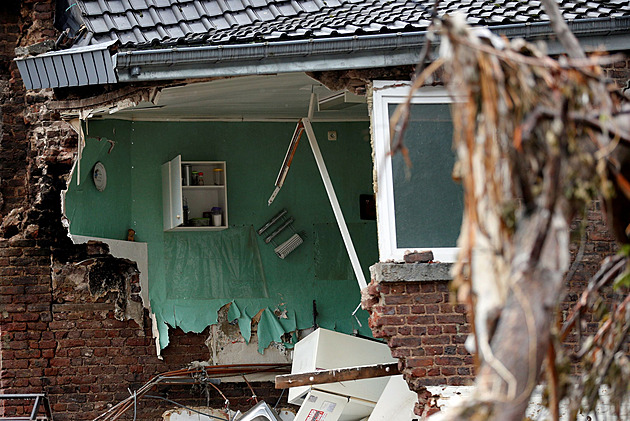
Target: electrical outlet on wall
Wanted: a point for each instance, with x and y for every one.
(332, 135)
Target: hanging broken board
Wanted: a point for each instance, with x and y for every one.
(288, 158)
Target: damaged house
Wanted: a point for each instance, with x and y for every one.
(207, 182)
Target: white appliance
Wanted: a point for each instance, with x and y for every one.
(344, 401)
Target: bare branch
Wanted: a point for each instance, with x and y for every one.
(560, 27)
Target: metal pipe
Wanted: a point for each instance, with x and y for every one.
(278, 230)
(272, 221)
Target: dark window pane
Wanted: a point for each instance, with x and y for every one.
(428, 203)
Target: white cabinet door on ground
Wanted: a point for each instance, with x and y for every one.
(172, 204)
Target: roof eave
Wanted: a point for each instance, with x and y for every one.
(270, 57)
(361, 51)
(91, 65)
(94, 64)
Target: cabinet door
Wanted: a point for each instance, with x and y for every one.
(172, 206)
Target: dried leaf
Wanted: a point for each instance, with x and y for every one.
(623, 184)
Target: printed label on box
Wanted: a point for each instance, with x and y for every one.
(316, 415)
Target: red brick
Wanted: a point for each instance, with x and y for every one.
(419, 330)
(448, 361)
(427, 287)
(450, 318)
(434, 350)
(450, 329)
(419, 372)
(436, 340)
(410, 342)
(433, 371)
(412, 287)
(403, 310)
(419, 362)
(386, 310)
(421, 320)
(400, 352)
(432, 308)
(434, 330)
(404, 330)
(447, 371)
(398, 299)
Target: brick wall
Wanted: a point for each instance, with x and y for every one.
(410, 307)
(56, 337)
(78, 350)
(81, 355)
(426, 330)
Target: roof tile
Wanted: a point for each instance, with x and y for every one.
(141, 22)
(190, 13)
(160, 3)
(121, 22)
(138, 4)
(242, 18)
(167, 17)
(92, 8)
(116, 6)
(98, 25)
(235, 5)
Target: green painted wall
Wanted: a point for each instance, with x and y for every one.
(104, 214)
(253, 153)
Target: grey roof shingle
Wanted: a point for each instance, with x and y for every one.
(138, 23)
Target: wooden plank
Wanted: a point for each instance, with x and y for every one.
(336, 375)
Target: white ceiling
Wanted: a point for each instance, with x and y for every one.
(283, 97)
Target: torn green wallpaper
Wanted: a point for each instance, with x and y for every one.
(193, 274)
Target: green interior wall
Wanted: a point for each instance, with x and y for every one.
(318, 270)
(104, 214)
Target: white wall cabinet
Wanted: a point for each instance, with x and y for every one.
(199, 198)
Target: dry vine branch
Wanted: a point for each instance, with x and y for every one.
(529, 130)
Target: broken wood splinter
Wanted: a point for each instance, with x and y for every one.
(336, 375)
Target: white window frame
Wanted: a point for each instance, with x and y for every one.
(384, 94)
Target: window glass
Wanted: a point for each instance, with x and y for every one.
(428, 204)
(419, 207)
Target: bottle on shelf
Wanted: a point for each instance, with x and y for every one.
(186, 212)
(218, 176)
(200, 181)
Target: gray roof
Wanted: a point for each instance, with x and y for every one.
(139, 23)
(185, 39)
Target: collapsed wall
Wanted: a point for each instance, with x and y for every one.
(62, 306)
(71, 323)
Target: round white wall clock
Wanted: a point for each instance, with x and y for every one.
(99, 175)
